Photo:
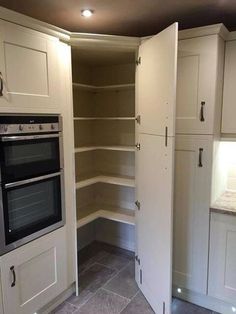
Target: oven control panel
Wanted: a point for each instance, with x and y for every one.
(29, 124)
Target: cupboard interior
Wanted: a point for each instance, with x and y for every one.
(104, 126)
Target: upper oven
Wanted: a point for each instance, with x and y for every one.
(30, 147)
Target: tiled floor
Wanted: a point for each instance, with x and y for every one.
(107, 286)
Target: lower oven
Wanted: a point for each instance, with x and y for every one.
(32, 179)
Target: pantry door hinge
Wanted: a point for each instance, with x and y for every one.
(138, 146)
(138, 61)
(140, 276)
(138, 119)
(137, 203)
(137, 259)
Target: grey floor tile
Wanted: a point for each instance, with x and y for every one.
(104, 302)
(124, 283)
(181, 307)
(113, 260)
(83, 297)
(95, 277)
(88, 263)
(65, 308)
(138, 305)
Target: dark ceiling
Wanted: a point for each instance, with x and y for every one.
(127, 17)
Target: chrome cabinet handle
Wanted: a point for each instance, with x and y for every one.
(202, 118)
(200, 157)
(12, 269)
(1, 84)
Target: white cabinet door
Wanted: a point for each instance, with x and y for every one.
(229, 94)
(222, 262)
(193, 164)
(38, 270)
(197, 84)
(154, 220)
(154, 167)
(1, 301)
(29, 69)
(156, 82)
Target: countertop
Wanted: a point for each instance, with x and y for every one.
(225, 204)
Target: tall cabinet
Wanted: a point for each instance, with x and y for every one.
(124, 105)
(198, 114)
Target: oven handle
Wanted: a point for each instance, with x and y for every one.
(27, 137)
(23, 182)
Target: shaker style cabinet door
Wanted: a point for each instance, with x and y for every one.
(197, 84)
(193, 162)
(229, 93)
(222, 261)
(29, 70)
(155, 81)
(34, 274)
(154, 167)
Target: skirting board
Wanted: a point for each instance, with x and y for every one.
(203, 300)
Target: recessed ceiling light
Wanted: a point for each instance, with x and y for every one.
(86, 13)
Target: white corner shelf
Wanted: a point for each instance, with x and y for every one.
(118, 215)
(114, 148)
(124, 181)
(104, 87)
(103, 118)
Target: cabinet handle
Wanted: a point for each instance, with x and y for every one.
(1, 84)
(202, 118)
(12, 269)
(200, 157)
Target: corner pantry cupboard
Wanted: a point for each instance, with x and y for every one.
(106, 106)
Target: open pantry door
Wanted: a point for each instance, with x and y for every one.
(155, 100)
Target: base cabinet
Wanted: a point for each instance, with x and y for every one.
(34, 274)
(222, 261)
(193, 155)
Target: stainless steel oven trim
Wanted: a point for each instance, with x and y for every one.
(23, 182)
(6, 248)
(27, 137)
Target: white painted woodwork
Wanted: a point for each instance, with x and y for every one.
(115, 215)
(191, 211)
(30, 69)
(41, 273)
(199, 79)
(124, 181)
(116, 148)
(156, 82)
(154, 163)
(222, 262)
(229, 94)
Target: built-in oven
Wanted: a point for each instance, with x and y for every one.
(32, 179)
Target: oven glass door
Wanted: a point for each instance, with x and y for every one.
(23, 157)
(31, 206)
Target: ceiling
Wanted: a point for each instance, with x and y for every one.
(127, 17)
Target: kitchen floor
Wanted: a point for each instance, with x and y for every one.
(107, 286)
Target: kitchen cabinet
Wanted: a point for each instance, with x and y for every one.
(29, 70)
(1, 301)
(222, 261)
(199, 85)
(193, 164)
(34, 274)
(229, 94)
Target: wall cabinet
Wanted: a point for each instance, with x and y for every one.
(222, 261)
(34, 274)
(229, 94)
(29, 70)
(199, 85)
(193, 164)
